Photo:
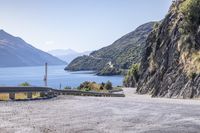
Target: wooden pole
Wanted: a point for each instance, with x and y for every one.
(45, 76)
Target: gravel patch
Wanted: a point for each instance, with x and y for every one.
(74, 114)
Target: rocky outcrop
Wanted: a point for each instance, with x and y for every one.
(170, 65)
(121, 54)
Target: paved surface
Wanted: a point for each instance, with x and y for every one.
(72, 114)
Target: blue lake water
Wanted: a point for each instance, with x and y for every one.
(56, 75)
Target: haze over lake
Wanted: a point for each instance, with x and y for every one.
(56, 75)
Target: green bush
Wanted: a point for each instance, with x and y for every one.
(84, 85)
(25, 84)
(108, 86)
(191, 11)
(134, 71)
(102, 86)
(67, 88)
(193, 75)
(132, 76)
(85, 89)
(93, 86)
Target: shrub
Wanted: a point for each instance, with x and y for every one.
(156, 26)
(134, 71)
(108, 86)
(85, 89)
(191, 10)
(132, 76)
(67, 88)
(25, 84)
(102, 86)
(88, 86)
(193, 75)
(84, 85)
(93, 86)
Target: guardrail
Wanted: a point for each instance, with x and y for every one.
(7, 89)
(31, 92)
(85, 93)
(25, 93)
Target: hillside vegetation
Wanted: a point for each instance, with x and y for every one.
(115, 58)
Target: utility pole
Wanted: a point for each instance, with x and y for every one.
(45, 76)
(60, 86)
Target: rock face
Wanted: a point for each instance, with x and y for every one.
(170, 65)
(119, 56)
(15, 52)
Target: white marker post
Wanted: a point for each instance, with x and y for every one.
(45, 76)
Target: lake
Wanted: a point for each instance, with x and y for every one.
(13, 76)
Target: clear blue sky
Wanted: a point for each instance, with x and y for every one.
(77, 24)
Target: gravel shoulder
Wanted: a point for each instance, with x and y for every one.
(74, 114)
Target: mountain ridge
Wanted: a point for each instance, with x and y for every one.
(15, 52)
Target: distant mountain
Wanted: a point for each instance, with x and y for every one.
(15, 52)
(58, 52)
(118, 56)
(67, 55)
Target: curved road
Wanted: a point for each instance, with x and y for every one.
(73, 114)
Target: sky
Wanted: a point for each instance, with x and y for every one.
(82, 25)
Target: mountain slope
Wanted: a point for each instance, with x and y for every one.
(170, 65)
(120, 55)
(15, 52)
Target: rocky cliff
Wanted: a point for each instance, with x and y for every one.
(15, 52)
(118, 56)
(170, 65)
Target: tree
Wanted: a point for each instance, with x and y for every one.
(108, 86)
(25, 84)
(132, 76)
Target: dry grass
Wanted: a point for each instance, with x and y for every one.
(4, 96)
(191, 63)
(96, 87)
(21, 96)
(35, 95)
